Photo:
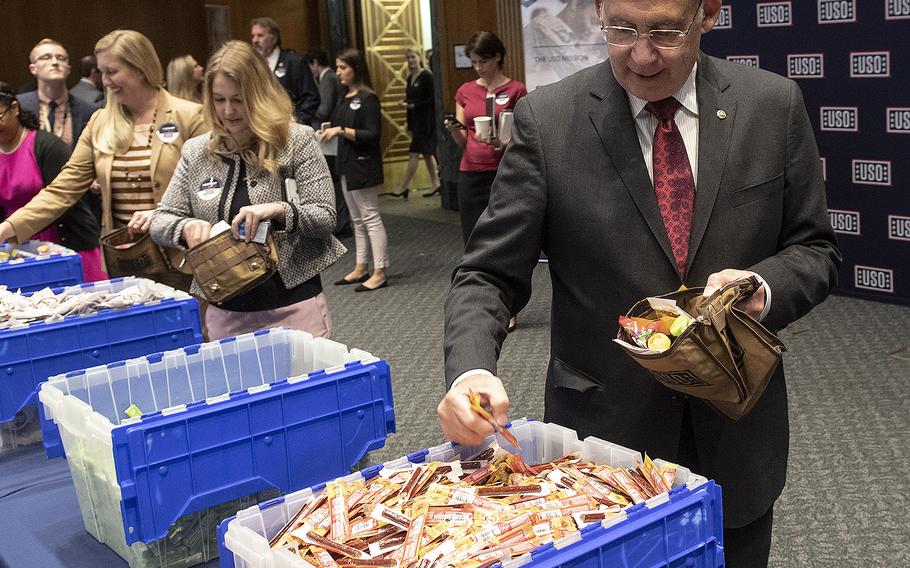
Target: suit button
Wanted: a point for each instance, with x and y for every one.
(157, 184)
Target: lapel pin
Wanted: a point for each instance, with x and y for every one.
(721, 114)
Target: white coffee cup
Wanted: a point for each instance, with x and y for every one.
(483, 125)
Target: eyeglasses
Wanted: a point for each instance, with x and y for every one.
(621, 36)
(5, 112)
(48, 56)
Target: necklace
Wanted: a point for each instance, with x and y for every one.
(132, 179)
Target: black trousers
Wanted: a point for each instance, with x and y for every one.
(473, 197)
(744, 547)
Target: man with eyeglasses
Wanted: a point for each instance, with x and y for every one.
(659, 167)
(58, 110)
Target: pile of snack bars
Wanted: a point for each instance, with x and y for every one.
(470, 514)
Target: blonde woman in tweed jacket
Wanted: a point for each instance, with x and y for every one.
(237, 174)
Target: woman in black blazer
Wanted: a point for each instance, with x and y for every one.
(421, 106)
(357, 123)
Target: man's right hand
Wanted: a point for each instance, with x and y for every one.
(461, 424)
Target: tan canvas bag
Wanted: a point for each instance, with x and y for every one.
(225, 267)
(725, 358)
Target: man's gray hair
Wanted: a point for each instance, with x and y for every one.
(269, 24)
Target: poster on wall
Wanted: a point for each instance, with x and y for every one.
(560, 38)
(847, 59)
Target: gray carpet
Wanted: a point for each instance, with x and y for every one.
(848, 370)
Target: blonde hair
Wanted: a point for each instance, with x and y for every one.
(268, 109)
(45, 41)
(114, 131)
(181, 79)
(419, 54)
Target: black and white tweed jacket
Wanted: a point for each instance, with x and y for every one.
(202, 188)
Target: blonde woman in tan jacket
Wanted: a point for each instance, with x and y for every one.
(131, 147)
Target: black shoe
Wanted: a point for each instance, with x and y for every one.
(404, 194)
(363, 288)
(345, 281)
(434, 192)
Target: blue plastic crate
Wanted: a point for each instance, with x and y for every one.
(61, 267)
(276, 409)
(681, 528)
(32, 353)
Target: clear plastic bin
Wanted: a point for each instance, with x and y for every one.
(681, 528)
(220, 422)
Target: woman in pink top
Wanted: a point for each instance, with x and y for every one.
(29, 160)
(481, 155)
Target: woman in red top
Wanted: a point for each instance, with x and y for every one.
(481, 156)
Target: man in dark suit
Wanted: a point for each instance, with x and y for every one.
(287, 66)
(89, 86)
(329, 95)
(58, 110)
(738, 188)
(327, 81)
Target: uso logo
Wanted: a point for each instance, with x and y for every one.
(824, 162)
(771, 14)
(899, 227)
(870, 64)
(836, 11)
(846, 222)
(897, 9)
(871, 278)
(747, 60)
(839, 119)
(725, 18)
(898, 120)
(871, 172)
(806, 65)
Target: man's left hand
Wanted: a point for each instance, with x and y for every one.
(752, 305)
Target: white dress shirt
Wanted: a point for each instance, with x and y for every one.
(272, 59)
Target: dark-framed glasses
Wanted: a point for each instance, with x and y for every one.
(5, 112)
(622, 36)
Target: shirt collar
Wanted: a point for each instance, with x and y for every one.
(60, 101)
(686, 96)
(322, 73)
(273, 57)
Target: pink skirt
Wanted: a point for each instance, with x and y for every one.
(310, 315)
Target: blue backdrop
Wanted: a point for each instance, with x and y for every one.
(852, 62)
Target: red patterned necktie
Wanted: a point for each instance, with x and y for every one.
(673, 180)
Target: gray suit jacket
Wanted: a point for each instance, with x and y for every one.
(88, 93)
(573, 183)
(329, 93)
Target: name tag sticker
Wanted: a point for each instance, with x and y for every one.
(168, 132)
(280, 70)
(355, 103)
(209, 189)
(502, 99)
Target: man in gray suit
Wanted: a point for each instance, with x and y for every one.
(326, 81)
(658, 167)
(329, 95)
(89, 86)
